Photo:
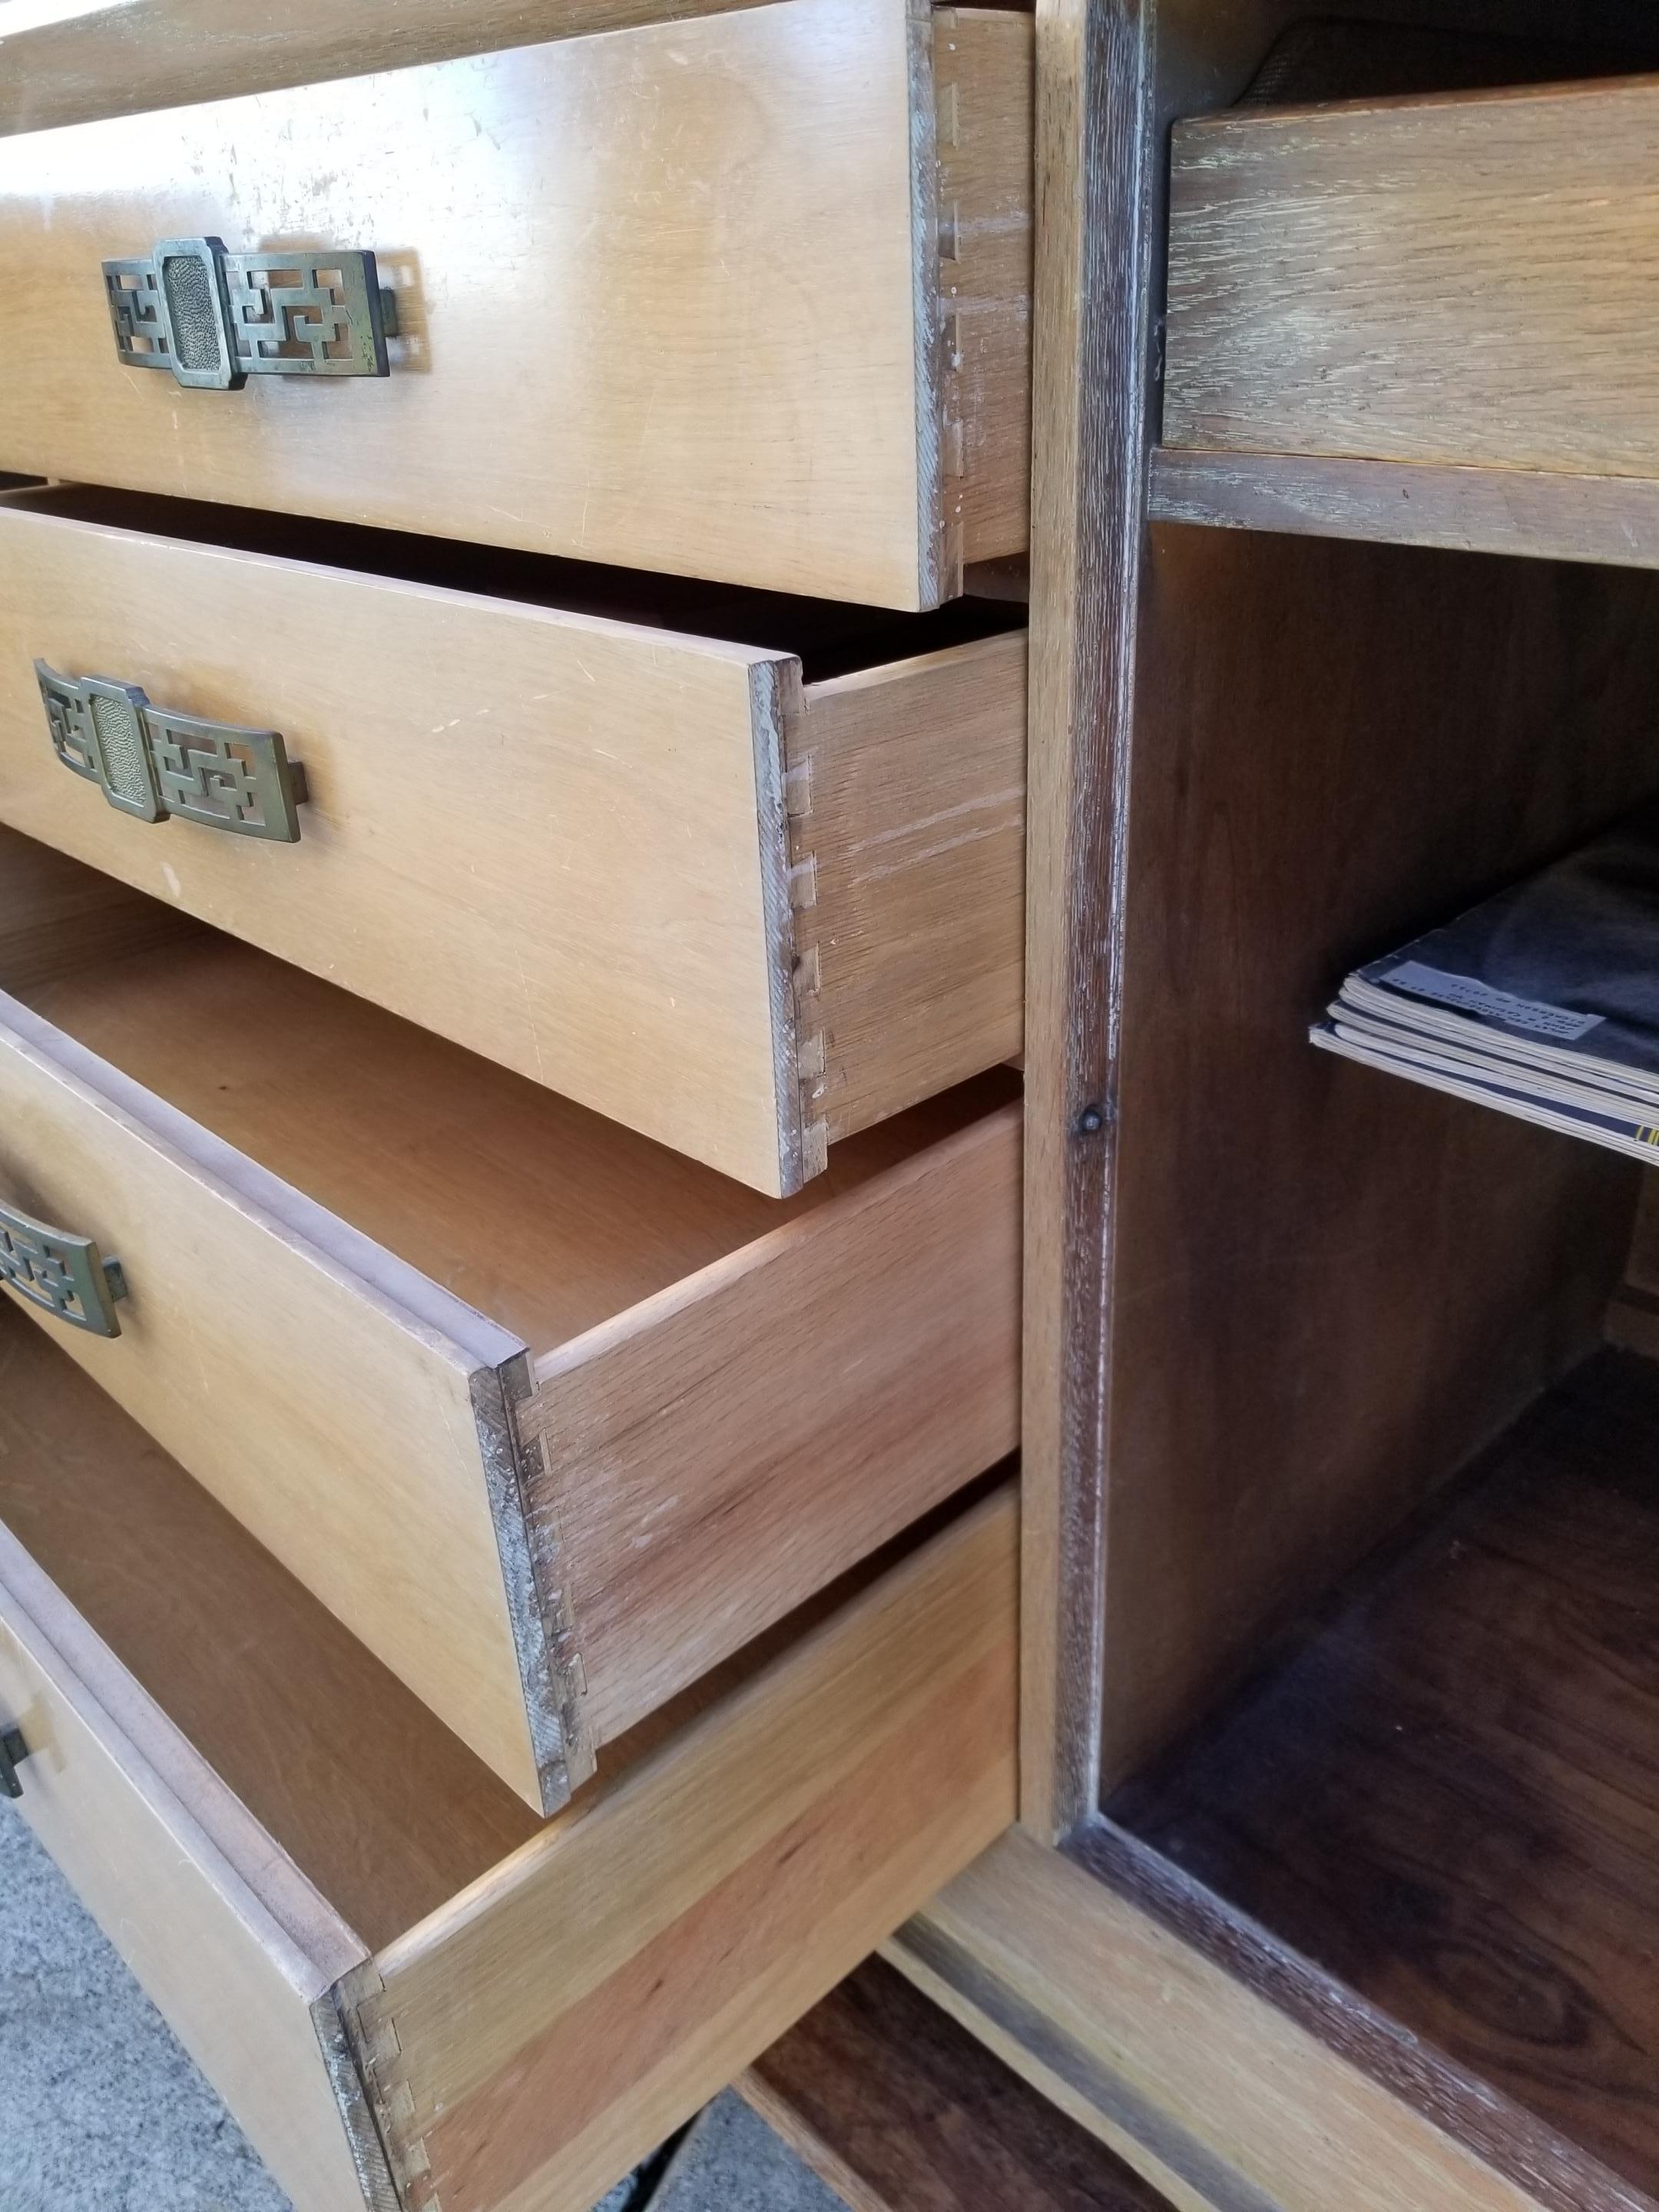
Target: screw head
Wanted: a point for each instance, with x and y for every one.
(1090, 1122)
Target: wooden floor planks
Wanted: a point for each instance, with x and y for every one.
(902, 2110)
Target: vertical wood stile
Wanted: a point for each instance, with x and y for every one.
(1090, 427)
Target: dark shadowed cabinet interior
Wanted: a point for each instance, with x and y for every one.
(1339, 1884)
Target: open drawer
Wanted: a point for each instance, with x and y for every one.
(409, 1992)
(596, 826)
(688, 1408)
(743, 295)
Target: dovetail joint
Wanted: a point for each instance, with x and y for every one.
(806, 973)
(377, 2049)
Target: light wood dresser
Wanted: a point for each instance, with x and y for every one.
(513, 701)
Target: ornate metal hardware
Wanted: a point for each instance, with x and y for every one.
(13, 1752)
(215, 319)
(64, 1275)
(154, 764)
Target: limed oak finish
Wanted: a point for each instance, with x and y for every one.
(409, 1992)
(687, 1408)
(744, 296)
(651, 868)
(1466, 280)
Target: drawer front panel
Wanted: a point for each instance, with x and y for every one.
(337, 1423)
(236, 1972)
(542, 837)
(609, 257)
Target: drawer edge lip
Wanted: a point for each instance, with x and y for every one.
(545, 1644)
(400, 1293)
(14, 515)
(154, 1753)
(932, 581)
(775, 708)
(645, 1314)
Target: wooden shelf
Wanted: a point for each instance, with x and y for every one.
(1550, 516)
(1423, 320)
(1444, 1792)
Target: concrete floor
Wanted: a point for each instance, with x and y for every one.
(100, 2110)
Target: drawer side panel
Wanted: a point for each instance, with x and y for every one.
(908, 830)
(649, 1946)
(727, 1450)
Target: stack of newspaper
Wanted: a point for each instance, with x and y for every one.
(1542, 1002)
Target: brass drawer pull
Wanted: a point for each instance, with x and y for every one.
(13, 1752)
(215, 319)
(64, 1275)
(152, 763)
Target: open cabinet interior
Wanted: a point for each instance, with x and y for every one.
(1346, 1311)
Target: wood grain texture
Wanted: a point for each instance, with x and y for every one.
(363, 1177)
(1089, 423)
(1610, 519)
(169, 1880)
(574, 1989)
(577, 375)
(1164, 2048)
(54, 919)
(1444, 1790)
(536, 834)
(1306, 794)
(983, 70)
(135, 54)
(722, 1450)
(899, 2109)
(298, 1374)
(906, 788)
(559, 838)
(651, 1943)
(1438, 280)
(323, 1749)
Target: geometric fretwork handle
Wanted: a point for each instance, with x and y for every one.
(13, 1752)
(64, 1275)
(154, 764)
(215, 319)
